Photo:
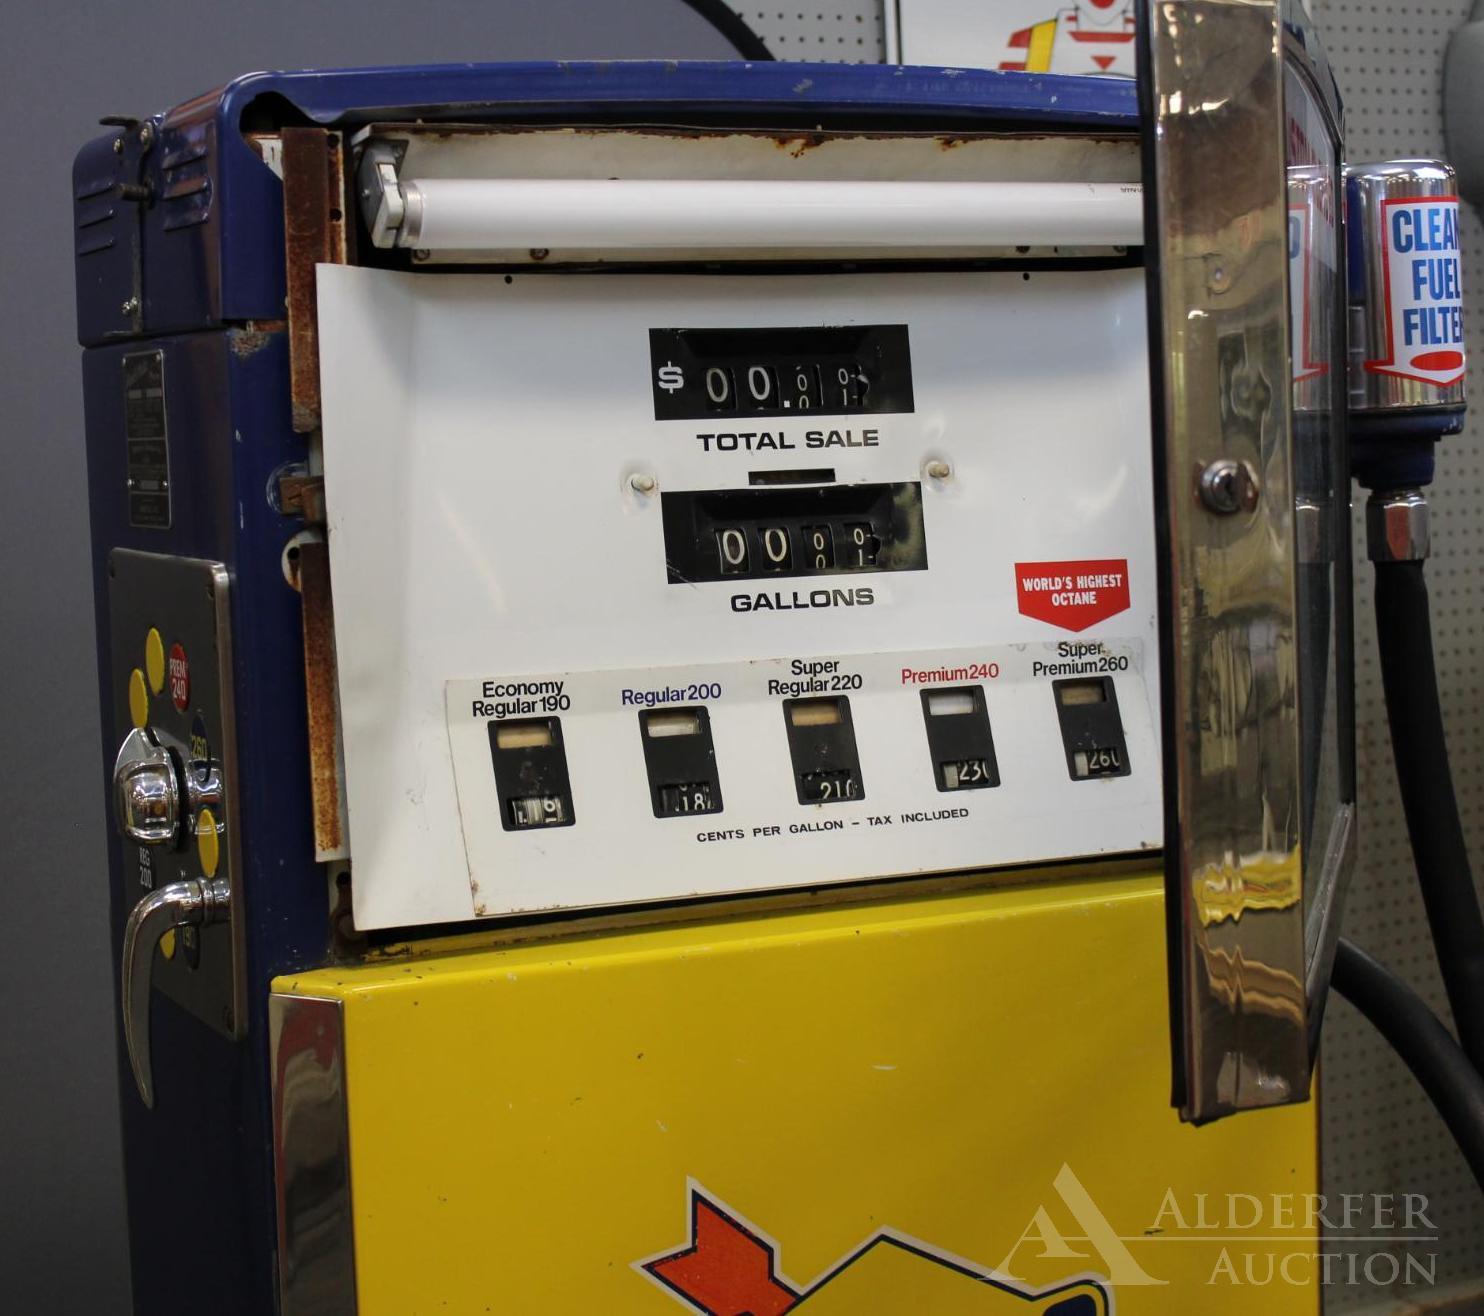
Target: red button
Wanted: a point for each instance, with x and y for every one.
(179, 671)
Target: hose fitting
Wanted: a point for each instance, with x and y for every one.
(1397, 526)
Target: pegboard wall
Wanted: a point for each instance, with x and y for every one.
(843, 31)
(1379, 1133)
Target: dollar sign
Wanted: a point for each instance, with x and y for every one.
(671, 377)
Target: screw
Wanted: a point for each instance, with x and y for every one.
(938, 470)
(118, 146)
(131, 306)
(146, 135)
(422, 254)
(540, 253)
(643, 483)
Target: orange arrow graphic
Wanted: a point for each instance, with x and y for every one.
(727, 1270)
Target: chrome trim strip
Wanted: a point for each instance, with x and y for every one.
(1212, 89)
(311, 1157)
(1306, 52)
(221, 595)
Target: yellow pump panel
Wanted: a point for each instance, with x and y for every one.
(946, 1103)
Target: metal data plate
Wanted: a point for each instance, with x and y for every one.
(187, 601)
(145, 441)
(510, 490)
(1243, 214)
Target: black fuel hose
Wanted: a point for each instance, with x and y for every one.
(1417, 1035)
(1404, 625)
(730, 24)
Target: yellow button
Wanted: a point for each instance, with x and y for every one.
(154, 660)
(208, 844)
(167, 944)
(138, 699)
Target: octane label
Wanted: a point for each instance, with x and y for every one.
(1072, 595)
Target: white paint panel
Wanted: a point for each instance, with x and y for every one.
(479, 442)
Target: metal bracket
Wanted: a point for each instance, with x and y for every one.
(315, 233)
(382, 202)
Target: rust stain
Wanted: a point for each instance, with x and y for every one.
(321, 696)
(314, 202)
(797, 143)
(253, 337)
(784, 139)
(303, 496)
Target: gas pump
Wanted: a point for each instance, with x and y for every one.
(665, 713)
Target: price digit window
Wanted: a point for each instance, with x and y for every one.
(530, 762)
(821, 745)
(1091, 728)
(830, 370)
(680, 759)
(959, 740)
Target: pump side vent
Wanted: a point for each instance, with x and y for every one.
(94, 215)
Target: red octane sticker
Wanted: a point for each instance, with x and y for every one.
(179, 669)
(1072, 595)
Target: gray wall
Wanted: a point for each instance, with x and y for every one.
(63, 1244)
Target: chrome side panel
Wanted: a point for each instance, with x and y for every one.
(1217, 246)
(311, 1157)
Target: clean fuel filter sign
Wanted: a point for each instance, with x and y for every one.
(1424, 294)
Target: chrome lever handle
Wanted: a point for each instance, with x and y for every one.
(181, 904)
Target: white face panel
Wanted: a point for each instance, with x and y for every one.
(496, 482)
